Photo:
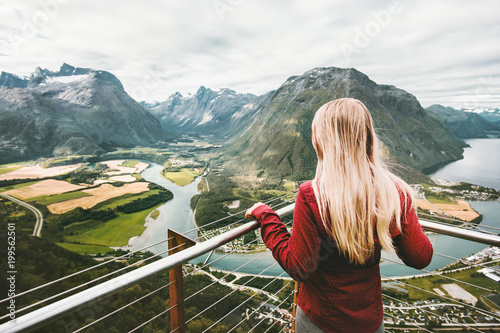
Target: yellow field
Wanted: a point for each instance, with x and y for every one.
(39, 172)
(461, 210)
(97, 195)
(123, 178)
(184, 176)
(45, 187)
(425, 205)
(117, 168)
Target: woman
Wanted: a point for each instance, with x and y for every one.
(353, 208)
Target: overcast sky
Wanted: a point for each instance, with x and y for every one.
(445, 52)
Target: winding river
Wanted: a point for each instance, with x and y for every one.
(177, 214)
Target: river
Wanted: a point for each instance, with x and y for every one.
(176, 214)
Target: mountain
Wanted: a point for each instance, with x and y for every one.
(490, 114)
(465, 125)
(12, 80)
(72, 111)
(278, 143)
(221, 113)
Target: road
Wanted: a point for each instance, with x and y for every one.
(39, 217)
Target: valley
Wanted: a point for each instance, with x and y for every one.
(100, 181)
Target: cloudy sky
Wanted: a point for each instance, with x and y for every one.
(445, 52)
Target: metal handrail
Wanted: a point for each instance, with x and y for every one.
(42, 316)
(476, 236)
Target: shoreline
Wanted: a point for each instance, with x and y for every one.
(149, 221)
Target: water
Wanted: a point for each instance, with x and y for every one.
(451, 246)
(176, 214)
(480, 165)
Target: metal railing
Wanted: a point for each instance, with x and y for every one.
(40, 317)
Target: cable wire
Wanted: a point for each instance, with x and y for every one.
(427, 311)
(445, 297)
(255, 310)
(248, 299)
(227, 254)
(85, 284)
(81, 271)
(444, 276)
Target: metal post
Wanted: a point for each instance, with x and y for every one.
(177, 243)
(294, 310)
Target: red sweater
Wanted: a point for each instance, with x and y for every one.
(336, 295)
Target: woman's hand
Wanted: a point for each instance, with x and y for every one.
(248, 214)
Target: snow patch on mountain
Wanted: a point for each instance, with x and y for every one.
(207, 117)
(64, 79)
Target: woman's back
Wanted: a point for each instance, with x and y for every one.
(352, 209)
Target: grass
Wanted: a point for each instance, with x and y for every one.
(129, 163)
(133, 150)
(115, 202)
(14, 187)
(85, 248)
(155, 214)
(288, 185)
(435, 200)
(183, 177)
(47, 200)
(116, 232)
(429, 283)
(4, 170)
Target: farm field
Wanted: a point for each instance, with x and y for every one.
(183, 177)
(85, 248)
(97, 195)
(28, 172)
(119, 167)
(461, 210)
(43, 188)
(113, 233)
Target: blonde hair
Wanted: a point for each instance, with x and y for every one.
(355, 191)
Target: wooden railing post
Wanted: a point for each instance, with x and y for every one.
(176, 243)
(294, 310)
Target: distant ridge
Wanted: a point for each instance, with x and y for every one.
(220, 113)
(466, 125)
(71, 111)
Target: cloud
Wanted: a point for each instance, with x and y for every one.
(439, 51)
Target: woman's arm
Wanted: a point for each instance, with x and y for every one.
(412, 245)
(299, 253)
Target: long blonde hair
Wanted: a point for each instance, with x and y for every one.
(355, 191)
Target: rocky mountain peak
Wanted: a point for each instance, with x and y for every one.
(12, 80)
(281, 134)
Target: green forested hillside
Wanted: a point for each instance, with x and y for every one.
(278, 144)
(463, 124)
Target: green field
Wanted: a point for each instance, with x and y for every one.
(183, 177)
(47, 200)
(129, 163)
(288, 185)
(85, 249)
(429, 283)
(5, 170)
(155, 214)
(115, 202)
(439, 200)
(116, 232)
(13, 187)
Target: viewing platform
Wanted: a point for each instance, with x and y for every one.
(275, 310)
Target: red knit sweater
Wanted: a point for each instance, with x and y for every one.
(336, 295)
